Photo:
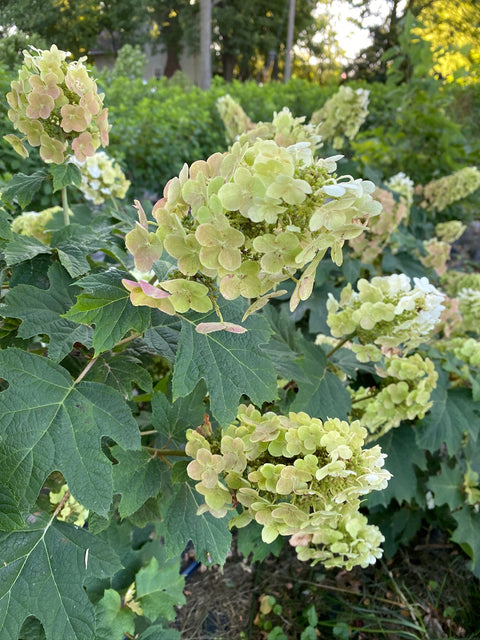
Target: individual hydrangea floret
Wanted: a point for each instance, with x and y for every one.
(56, 105)
(262, 213)
(386, 311)
(404, 393)
(440, 193)
(102, 178)
(342, 115)
(296, 476)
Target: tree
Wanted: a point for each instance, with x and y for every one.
(205, 43)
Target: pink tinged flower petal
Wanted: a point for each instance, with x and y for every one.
(40, 105)
(91, 102)
(83, 146)
(152, 291)
(139, 298)
(33, 129)
(210, 327)
(74, 118)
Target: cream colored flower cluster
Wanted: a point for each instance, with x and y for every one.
(342, 115)
(56, 105)
(296, 476)
(386, 311)
(33, 223)
(403, 394)
(248, 219)
(233, 117)
(102, 178)
(403, 185)
(469, 307)
(440, 193)
(438, 249)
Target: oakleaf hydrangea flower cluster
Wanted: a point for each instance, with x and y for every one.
(244, 221)
(386, 311)
(56, 105)
(233, 117)
(102, 178)
(440, 193)
(296, 476)
(369, 245)
(33, 223)
(454, 281)
(403, 394)
(438, 249)
(469, 307)
(342, 115)
(403, 185)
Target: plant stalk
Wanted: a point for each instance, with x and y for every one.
(66, 210)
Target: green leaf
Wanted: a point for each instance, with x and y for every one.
(10, 516)
(249, 541)
(158, 632)
(107, 305)
(446, 486)
(65, 175)
(162, 335)
(466, 535)
(47, 423)
(322, 395)
(403, 455)
(121, 371)
(137, 477)
(210, 536)
(32, 630)
(23, 188)
(453, 414)
(41, 313)
(113, 620)
(284, 345)
(231, 365)
(160, 589)
(42, 570)
(22, 248)
(74, 243)
(172, 420)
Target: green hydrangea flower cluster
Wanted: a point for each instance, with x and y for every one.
(295, 476)
(454, 281)
(466, 349)
(403, 394)
(386, 311)
(72, 511)
(244, 221)
(440, 193)
(403, 185)
(342, 115)
(369, 245)
(450, 231)
(33, 223)
(56, 105)
(233, 117)
(469, 307)
(102, 178)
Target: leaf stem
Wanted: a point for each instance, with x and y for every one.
(165, 452)
(86, 370)
(134, 336)
(340, 344)
(66, 210)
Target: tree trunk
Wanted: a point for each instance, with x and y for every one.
(228, 61)
(289, 44)
(173, 62)
(205, 43)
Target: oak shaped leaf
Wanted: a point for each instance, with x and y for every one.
(42, 570)
(49, 423)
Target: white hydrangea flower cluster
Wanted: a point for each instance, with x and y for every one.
(386, 311)
(438, 249)
(296, 476)
(102, 178)
(342, 115)
(440, 193)
(403, 394)
(403, 185)
(246, 220)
